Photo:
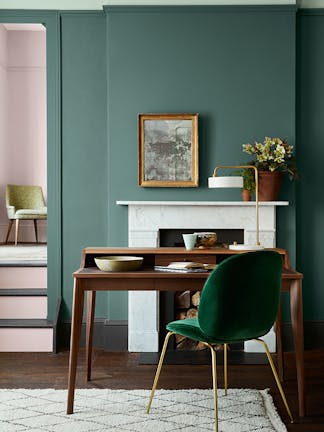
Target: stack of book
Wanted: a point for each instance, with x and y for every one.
(186, 266)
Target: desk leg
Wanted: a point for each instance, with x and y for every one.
(296, 309)
(77, 312)
(91, 302)
(280, 358)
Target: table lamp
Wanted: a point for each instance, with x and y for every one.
(217, 181)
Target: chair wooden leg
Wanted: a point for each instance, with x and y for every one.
(35, 227)
(158, 371)
(214, 372)
(16, 231)
(225, 369)
(280, 356)
(9, 229)
(276, 377)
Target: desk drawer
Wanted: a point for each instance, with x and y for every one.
(164, 260)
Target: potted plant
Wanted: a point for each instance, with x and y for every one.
(248, 183)
(273, 158)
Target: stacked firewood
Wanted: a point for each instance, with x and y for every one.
(186, 306)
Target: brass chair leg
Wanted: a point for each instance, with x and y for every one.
(16, 232)
(35, 227)
(225, 369)
(276, 378)
(9, 229)
(158, 371)
(214, 372)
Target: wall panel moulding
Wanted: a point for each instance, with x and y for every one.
(199, 2)
(89, 5)
(98, 4)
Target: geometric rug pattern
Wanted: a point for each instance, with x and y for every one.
(104, 410)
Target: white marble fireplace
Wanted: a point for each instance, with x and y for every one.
(146, 218)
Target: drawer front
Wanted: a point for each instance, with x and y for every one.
(164, 260)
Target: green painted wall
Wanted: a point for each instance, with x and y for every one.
(226, 63)
(84, 142)
(310, 129)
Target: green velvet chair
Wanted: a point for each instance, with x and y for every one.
(239, 302)
(24, 202)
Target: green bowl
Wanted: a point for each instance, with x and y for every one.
(117, 263)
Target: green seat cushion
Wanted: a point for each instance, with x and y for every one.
(190, 328)
(31, 213)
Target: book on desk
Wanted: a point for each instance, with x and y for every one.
(186, 267)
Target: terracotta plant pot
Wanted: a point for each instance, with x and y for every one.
(269, 185)
(246, 195)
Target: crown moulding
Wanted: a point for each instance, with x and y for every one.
(89, 5)
(199, 2)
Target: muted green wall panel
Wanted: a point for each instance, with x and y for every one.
(310, 114)
(230, 67)
(84, 143)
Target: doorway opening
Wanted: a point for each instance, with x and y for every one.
(23, 173)
(23, 135)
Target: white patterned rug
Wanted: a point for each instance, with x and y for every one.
(124, 410)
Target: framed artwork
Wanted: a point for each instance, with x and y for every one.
(168, 150)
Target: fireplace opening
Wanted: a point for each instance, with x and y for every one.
(173, 237)
(181, 305)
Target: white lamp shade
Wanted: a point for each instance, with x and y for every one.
(225, 182)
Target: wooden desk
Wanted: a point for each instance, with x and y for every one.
(89, 278)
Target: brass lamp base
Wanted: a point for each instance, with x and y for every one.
(245, 247)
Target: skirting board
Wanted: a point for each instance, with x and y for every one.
(107, 334)
(112, 335)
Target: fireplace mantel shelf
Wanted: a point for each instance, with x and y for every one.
(202, 203)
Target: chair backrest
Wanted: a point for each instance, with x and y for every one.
(24, 197)
(240, 298)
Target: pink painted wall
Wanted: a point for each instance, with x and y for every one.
(23, 277)
(3, 101)
(23, 148)
(23, 307)
(26, 340)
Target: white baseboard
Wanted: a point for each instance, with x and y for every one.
(26, 232)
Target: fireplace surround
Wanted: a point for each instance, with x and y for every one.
(147, 218)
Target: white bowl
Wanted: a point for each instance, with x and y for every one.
(118, 263)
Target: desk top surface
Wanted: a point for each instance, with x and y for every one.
(167, 250)
(150, 273)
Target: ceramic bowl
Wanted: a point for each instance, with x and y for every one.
(206, 239)
(118, 263)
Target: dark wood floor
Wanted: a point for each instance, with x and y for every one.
(122, 370)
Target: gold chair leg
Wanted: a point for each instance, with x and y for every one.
(214, 372)
(9, 229)
(158, 371)
(276, 378)
(225, 369)
(35, 227)
(16, 232)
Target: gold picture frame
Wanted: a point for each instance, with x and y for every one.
(168, 150)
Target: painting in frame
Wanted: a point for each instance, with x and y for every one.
(168, 150)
